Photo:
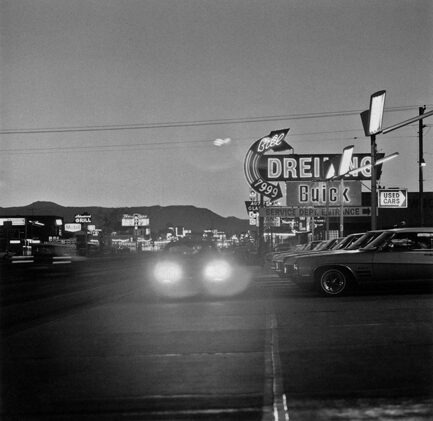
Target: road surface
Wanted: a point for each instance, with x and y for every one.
(271, 353)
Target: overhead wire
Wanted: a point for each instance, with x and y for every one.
(116, 127)
(183, 143)
(158, 145)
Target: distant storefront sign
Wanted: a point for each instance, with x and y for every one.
(72, 227)
(135, 220)
(85, 218)
(317, 193)
(15, 221)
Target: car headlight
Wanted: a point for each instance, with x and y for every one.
(217, 271)
(168, 272)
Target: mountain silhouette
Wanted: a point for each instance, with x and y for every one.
(187, 216)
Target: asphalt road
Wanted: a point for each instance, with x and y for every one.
(272, 353)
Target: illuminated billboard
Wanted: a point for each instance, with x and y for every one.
(135, 220)
(72, 227)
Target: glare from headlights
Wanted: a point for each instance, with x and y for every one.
(218, 271)
(167, 272)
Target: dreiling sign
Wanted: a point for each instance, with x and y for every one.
(275, 142)
(307, 167)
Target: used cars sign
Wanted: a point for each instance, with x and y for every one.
(393, 198)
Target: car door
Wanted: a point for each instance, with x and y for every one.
(400, 259)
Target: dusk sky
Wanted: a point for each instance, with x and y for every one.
(118, 102)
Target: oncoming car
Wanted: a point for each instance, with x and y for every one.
(401, 254)
(190, 268)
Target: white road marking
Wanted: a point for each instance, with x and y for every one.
(274, 389)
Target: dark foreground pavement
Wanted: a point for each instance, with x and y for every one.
(133, 356)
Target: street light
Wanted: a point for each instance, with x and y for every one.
(345, 162)
(372, 122)
(343, 168)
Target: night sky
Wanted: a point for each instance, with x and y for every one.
(128, 96)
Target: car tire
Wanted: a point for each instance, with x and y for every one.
(333, 282)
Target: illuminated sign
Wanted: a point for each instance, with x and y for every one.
(296, 212)
(252, 205)
(83, 219)
(15, 221)
(273, 142)
(393, 198)
(307, 167)
(135, 220)
(72, 227)
(317, 193)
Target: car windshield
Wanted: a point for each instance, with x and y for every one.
(364, 240)
(396, 241)
(347, 241)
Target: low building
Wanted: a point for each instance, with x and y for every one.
(18, 232)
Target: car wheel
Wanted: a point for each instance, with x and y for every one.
(333, 282)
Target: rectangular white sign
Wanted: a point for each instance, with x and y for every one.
(306, 194)
(296, 212)
(393, 198)
(72, 227)
(15, 221)
(135, 221)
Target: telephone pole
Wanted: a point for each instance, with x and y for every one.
(421, 164)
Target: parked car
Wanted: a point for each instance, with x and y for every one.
(278, 259)
(313, 247)
(400, 254)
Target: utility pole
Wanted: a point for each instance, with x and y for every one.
(373, 183)
(420, 167)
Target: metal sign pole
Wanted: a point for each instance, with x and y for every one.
(341, 208)
(327, 210)
(373, 182)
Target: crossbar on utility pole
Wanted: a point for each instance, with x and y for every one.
(406, 122)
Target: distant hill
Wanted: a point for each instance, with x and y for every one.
(190, 217)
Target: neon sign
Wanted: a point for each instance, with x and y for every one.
(275, 142)
(307, 167)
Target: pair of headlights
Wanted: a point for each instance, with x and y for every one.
(173, 272)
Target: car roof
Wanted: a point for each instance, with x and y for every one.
(411, 229)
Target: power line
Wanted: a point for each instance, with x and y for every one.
(196, 123)
(142, 146)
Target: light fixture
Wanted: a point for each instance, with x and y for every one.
(378, 162)
(377, 105)
(346, 160)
